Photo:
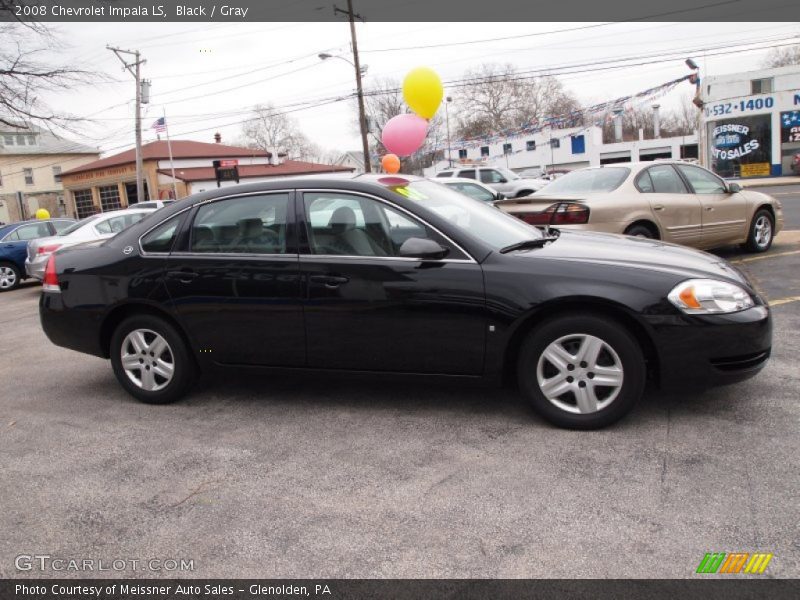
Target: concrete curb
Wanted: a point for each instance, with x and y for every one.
(767, 182)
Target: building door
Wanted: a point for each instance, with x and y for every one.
(130, 192)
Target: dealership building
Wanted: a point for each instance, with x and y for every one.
(752, 122)
(179, 169)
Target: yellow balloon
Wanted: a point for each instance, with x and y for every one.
(42, 213)
(423, 91)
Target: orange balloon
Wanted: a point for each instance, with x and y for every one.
(390, 163)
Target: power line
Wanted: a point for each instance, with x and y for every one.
(555, 31)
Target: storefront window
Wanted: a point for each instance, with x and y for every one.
(741, 147)
(790, 142)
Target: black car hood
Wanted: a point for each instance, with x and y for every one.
(639, 253)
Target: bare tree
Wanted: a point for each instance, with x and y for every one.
(783, 57)
(684, 119)
(497, 97)
(26, 74)
(269, 129)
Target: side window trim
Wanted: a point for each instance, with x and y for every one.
(304, 223)
(180, 214)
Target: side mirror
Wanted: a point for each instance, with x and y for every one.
(733, 188)
(499, 196)
(503, 180)
(423, 248)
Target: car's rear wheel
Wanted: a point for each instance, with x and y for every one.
(640, 230)
(151, 360)
(9, 276)
(581, 371)
(762, 228)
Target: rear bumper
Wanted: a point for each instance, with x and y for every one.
(713, 350)
(77, 329)
(35, 268)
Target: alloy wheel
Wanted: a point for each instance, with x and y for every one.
(8, 278)
(763, 231)
(147, 360)
(580, 373)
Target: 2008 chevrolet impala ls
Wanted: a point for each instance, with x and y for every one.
(402, 275)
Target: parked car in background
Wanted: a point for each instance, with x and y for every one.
(152, 204)
(539, 173)
(97, 227)
(13, 244)
(401, 275)
(672, 201)
(500, 179)
(472, 188)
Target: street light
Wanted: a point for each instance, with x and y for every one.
(362, 115)
(698, 102)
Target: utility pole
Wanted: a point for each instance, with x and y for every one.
(362, 116)
(134, 69)
(448, 100)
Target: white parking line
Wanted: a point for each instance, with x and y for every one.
(762, 257)
(780, 301)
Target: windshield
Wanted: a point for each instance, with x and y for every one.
(476, 218)
(508, 173)
(76, 226)
(587, 181)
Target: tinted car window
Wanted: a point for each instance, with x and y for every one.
(118, 223)
(248, 224)
(588, 181)
(644, 183)
(473, 191)
(32, 231)
(469, 174)
(445, 174)
(162, 237)
(666, 180)
(62, 225)
(702, 181)
(491, 176)
(349, 225)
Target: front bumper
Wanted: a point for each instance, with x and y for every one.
(35, 268)
(704, 351)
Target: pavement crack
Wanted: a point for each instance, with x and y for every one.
(203, 487)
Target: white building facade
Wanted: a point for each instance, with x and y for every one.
(752, 122)
(568, 149)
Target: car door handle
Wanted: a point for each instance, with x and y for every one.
(709, 208)
(184, 276)
(658, 207)
(330, 281)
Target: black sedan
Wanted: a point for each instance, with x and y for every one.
(402, 275)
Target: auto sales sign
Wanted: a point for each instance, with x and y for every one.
(731, 142)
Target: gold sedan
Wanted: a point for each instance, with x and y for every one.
(672, 201)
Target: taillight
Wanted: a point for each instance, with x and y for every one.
(48, 249)
(562, 213)
(50, 281)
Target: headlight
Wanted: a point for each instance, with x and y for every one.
(708, 296)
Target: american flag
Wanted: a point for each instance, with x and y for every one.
(160, 125)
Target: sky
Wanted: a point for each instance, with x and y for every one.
(206, 77)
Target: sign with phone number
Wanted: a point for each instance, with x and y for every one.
(741, 106)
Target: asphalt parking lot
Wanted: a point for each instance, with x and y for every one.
(331, 477)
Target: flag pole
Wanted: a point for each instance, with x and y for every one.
(169, 147)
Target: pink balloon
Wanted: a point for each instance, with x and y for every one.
(404, 134)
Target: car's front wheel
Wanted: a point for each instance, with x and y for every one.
(762, 227)
(9, 276)
(581, 371)
(151, 360)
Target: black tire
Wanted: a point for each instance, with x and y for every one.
(185, 370)
(755, 240)
(523, 193)
(10, 277)
(569, 328)
(640, 230)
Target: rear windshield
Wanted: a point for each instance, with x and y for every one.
(78, 225)
(587, 181)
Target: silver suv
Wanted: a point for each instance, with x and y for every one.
(500, 179)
